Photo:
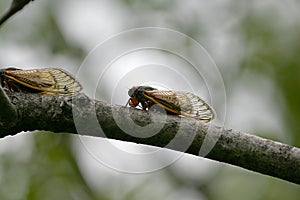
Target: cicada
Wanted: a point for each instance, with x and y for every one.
(44, 81)
(174, 102)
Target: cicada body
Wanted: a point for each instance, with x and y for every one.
(44, 81)
(174, 102)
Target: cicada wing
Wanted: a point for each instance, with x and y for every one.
(48, 80)
(63, 82)
(182, 103)
(165, 99)
(195, 107)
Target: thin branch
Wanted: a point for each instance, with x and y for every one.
(16, 5)
(85, 116)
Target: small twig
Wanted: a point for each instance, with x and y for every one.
(15, 6)
(95, 118)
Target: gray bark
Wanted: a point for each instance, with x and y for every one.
(98, 119)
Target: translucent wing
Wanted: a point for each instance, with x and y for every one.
(47, 81)
(182, 103)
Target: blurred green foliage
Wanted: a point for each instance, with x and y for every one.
(273, 51)
(48, 169)
(49, 33)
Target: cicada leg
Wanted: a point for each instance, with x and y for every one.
(10, 86)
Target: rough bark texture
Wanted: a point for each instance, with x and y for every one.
(94, 118)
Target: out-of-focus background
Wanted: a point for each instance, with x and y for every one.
(254, 44)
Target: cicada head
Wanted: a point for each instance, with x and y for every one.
(137, 95)
(132, 101)
(131, 91)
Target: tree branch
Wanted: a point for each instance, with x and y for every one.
(16, 5)
(64, 114)
(8, 112)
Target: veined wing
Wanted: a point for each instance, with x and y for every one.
(48, 80)
(182, 103)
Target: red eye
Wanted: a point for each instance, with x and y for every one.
(133, 102)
